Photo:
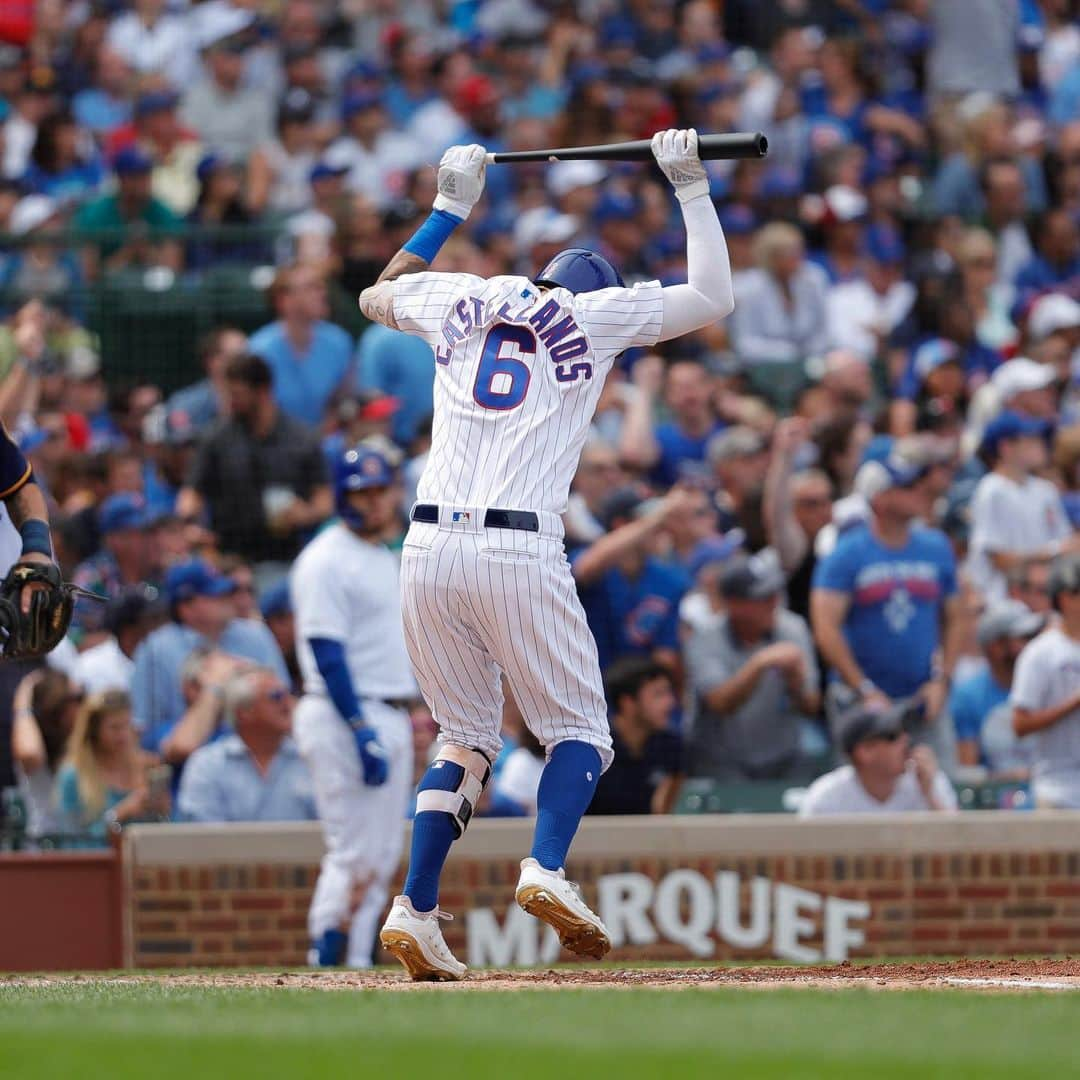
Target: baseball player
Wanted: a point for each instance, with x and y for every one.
(486, 588)
(352, 723)
(25, 540)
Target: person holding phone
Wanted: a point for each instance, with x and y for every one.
(106, 782)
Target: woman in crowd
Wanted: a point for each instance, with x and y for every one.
(221, 206)
(105, 780)
(63, 162)
(988, 298)
(44, 711)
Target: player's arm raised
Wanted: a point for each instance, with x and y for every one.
(461, 183)
(707, 295)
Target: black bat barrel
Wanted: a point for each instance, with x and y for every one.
(738, 144)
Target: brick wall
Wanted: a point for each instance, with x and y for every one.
(671, 889)
(245, 915)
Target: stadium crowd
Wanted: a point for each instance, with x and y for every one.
(820, 537)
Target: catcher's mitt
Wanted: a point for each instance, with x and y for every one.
(41, 629)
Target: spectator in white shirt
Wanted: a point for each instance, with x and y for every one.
(313, 228)
(19, 132)
(377, 157)
(864, 311)
(886, 773)
(1045, 695)
(151, 40)
(1014, 513)
(781, 314)
(129, 617)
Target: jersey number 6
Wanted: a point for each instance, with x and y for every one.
(503, 381)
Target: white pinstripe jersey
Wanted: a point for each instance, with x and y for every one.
(518, 374)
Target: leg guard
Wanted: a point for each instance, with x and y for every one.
(469, 771)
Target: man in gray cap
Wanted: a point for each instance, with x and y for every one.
(885, 773)
(1046, 694)
(753, 676)
(739, 459)
(1002, 632)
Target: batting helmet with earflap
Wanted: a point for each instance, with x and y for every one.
(579, 270)
(358, 469)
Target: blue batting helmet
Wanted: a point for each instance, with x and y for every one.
(358, 469)
(580, 271)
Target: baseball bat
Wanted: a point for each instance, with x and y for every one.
(737, 144)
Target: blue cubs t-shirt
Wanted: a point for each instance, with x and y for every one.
(892, 625)
(634, 616)
(677, 447)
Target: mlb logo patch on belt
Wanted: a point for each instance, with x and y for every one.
(461, 515)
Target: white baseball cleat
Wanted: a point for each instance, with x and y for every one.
(547, 895)
(415, 938)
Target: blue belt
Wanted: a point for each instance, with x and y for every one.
(524, 520)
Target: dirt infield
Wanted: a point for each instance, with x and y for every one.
(991, 975)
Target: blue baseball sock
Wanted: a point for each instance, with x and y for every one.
(433, 833)
(330, 948)
(567, 786)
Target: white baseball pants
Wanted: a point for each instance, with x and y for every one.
(363, 826)
(477, 602)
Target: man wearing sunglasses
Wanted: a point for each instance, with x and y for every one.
(255, 773)
(885, 773)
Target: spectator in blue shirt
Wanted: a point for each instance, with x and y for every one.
(1065, 101)
(106, 105)
(311, 358)
(402, 366)
(254, 773)
(1056, 267)
(124, 560)
(631, 598)
(60, 165)
(1002, 633)
(197, 406)
(884, 606)
(956, 346)
(201, 617)
(667, 448)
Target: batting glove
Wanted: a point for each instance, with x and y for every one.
(676, 153)
(461, 179)
(373, 759)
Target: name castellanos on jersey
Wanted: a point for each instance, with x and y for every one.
(552, 324)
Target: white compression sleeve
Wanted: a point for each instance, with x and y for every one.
(707, 295)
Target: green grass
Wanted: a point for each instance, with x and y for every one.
(154, 1030)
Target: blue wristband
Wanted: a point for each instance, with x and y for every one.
(35, 538)
(430, 237)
